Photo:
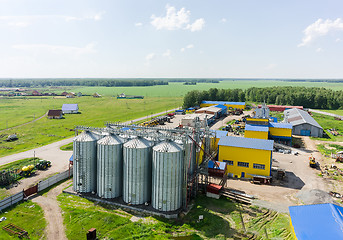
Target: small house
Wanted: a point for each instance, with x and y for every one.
(55, 114)
(70, 108)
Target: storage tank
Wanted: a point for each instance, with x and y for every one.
(110, 166)
(167, 169)
(137, 171)
(85, 162)
(189, 154)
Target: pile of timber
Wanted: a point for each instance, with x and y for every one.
(237, 196)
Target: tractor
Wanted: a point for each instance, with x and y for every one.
(43, 164)
(26, 171)
(313, 163)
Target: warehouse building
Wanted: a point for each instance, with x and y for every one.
(260, 132)
(190, 119)
(303, 124)
(238, 105)
(281, 132)
(70, 108)
(280, 108)
(246, 157)
(214, 110)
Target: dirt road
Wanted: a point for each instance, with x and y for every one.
(36, 119)
(52, 212)
(326, 113)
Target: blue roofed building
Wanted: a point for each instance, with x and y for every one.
(237, 105)
(317, 221)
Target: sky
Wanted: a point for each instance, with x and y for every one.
(172, 39)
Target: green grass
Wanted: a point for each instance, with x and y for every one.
(325, 151)
(222, 220)
(67, 147)
(26, 215)
(19, 164)
(338, 112)
(328, 122)
(94, 112)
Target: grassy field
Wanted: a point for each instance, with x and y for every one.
(178, 89)
(26, 215)
(338, 112)
(328, 122)
(67, 147)
(222, 220)
(19, 164)
(94, 112)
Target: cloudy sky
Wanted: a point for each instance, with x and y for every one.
(181, 38)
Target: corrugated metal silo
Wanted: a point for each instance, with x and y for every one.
(85, 162)
(167, 169)
(110, 166)
(189, 154)
(137, 171)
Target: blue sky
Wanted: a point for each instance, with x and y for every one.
(184, 38)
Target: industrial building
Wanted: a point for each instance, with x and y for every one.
(281, 132)
(260, 132)
(280, 108)
(303, 124)
(190, 119)
(217, 111)
(238, 105)
(317, 221)
(246, 157)
(70, 108)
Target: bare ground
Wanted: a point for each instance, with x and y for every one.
(52, 212)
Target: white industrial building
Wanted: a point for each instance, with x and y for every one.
(190, 119)
(303, 124)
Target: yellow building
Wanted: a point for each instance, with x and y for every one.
(252, 131)
(219, 134)
(257, 121)
(280, 131)
(238, 105)
(246, 157)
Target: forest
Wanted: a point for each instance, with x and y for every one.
(319, 98)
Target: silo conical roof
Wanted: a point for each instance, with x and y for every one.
(111, 140)
(86, 136)
(167, 146)
(137, 143)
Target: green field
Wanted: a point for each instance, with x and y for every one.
(94, 112)
(26, 215)
(222, 220)
(328, 122)
(177, 89)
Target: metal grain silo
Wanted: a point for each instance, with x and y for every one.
(110, 166)
(189, 154)
(137, 171)
(167, 169)
(85, 162)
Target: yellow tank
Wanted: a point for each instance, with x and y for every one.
(25, 168)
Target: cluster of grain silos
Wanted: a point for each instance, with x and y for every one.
(135, 168)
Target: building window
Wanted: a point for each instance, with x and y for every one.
(259, 166)
(228, 162)
(243, 164)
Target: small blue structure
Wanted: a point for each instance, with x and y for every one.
(318, 221)
(70, 108)
(223, 111)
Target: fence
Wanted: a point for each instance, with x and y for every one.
(11, 200)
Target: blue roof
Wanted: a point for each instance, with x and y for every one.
(280, 125)
(190, 108)
(221, 165)
(221, 106)
(222, 102)
(242, 142)
(249, 127)
(220, 133)
(72, 107)
(318, 221)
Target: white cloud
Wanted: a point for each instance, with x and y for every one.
(56, 49)
(223, 20)
(189, 46)
(150, 56)
(174, 20)
(139, 24)
(167, 53)
(338, 40)
(197, 25)
(319, 50)
(320, 28)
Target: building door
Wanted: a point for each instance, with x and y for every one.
(304, 132)
(243, 175)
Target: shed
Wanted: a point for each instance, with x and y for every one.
(303, 124)
(210, 110)
(70, 108)
(252, 131)
(55, 114)
(317, 221)
(280, 108)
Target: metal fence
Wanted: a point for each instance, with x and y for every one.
(54, 179)
(11, 200)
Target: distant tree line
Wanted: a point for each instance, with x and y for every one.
(320, 98)
(25, 83)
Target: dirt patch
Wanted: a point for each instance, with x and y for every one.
(314, 196)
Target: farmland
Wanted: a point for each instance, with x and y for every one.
(94, 112)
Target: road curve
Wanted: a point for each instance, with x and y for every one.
(326, 113)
